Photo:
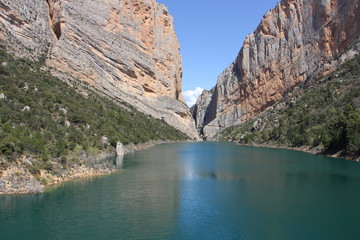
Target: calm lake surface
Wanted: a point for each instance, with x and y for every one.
(197, 191)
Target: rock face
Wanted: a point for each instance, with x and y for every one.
(119, 149)
(16, 179)
(295, 41)
(200, 110)
(24, 28)
(126, 49)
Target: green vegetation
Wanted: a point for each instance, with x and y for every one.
(43, 117)
(325, 115)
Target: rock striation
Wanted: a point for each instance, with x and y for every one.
(296, 41)
(126, 49)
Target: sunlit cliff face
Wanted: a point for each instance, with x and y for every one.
(127, 49)
(295, 41)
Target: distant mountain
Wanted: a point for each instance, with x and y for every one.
(297, 41)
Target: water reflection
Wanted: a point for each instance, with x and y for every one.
(245, 189)
(197, 191)
(140, 202)
(119, 161)
(222, 176)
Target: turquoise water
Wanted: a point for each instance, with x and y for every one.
(197, 191)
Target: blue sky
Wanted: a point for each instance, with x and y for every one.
(211, 34)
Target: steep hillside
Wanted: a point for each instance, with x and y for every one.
(323, 117)
(46, 125)
(296, 41)
(126, 49)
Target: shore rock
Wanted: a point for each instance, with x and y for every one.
(119, 149)
(16, 179)
(296, 41)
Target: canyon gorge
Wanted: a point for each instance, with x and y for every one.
(128, 50)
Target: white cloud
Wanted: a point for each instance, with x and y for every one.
(190, 96)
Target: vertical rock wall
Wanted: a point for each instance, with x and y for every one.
(295, 41)
(24, 28)
(127, 49)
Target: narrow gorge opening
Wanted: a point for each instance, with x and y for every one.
(56, 27)
(55, 23)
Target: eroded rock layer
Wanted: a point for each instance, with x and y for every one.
(295, 41)
(127, 49)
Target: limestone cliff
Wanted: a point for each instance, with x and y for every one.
(127, 49)
(201, 111)
(296, 41)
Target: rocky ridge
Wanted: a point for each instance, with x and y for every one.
(296, 41)
(125, 49)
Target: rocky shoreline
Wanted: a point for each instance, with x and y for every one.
(17, 178)
(315, 151)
